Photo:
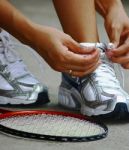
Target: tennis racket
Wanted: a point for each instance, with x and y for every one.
(51, 125)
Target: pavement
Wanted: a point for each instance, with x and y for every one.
(42, 12)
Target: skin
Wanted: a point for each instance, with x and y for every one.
(117, 27)
(59, 49)
(79, 21)
(78, 26)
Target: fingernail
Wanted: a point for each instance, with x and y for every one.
(111, 47)
(88, 48)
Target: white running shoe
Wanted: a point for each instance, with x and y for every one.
(97, 93)
(17, 85)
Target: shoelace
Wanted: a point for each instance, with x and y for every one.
(8, 57)
(106, 73)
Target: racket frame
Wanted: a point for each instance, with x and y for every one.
(23, 134)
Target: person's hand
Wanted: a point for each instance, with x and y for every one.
(62, 53)
(117, 27)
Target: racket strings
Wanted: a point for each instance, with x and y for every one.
(56, 125)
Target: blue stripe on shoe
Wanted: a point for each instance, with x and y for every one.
(71, 82)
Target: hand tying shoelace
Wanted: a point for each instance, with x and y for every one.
(95, 94)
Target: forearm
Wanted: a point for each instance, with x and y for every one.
(15, 23)
(105, 6)
(78, 19)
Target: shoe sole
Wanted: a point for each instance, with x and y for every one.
(66, 99)
(43, 98)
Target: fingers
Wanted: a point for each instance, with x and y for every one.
(115, 37)
(86, 72)
(122, 59)
(81, 60)
(126, 66)
(81, 68)
(77, 48)
(67, 60)
(121, 54)
(122, 50)
(114, 34)
(65, 54)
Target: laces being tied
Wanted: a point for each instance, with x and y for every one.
(105, 75)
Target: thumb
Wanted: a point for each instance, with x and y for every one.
(115, 37)
(78, 48)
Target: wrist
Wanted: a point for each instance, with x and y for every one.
(104, 7)
(116, 6)
(24, 31)
(15, 23)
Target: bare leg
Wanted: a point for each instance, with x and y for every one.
(78, 19)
